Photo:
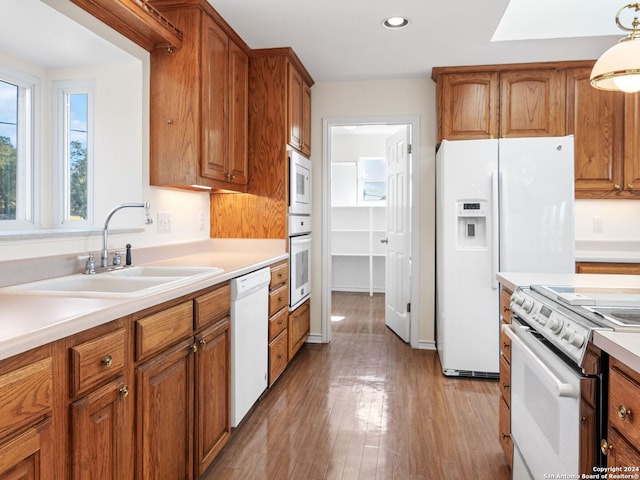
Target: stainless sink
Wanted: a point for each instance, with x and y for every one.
(126, 282)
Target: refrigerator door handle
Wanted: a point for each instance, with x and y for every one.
(495, 244)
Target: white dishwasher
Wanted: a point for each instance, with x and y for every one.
(249, 341)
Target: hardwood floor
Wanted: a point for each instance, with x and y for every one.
(367, 406)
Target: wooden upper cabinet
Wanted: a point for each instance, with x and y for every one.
(532, 103)
(632, 143)
(468, 103)
(596, 119)
(199, 103)
(299, 111)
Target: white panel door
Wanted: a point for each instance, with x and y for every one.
(398, 235)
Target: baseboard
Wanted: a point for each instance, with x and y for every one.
(348, 289)
(314, 338)
(426, 345)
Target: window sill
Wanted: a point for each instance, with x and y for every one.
(60, 234)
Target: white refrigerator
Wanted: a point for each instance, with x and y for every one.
(501, 205)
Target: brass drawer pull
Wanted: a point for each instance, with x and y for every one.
(107, 361)
(203, 341)
(505, 385)
(605, 447)
(194, 347)
(506, 345)
(124, 391)
(623, 412)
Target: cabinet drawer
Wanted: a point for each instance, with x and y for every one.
(505, 380)
(212, 306)
(504, 421)
(505, 301)
(157, 332)
(624, 405)
(278, 299)
(277, 323)
(97, 360)
(26, 395)
(279, 275)
(277, 356)
(505, 344)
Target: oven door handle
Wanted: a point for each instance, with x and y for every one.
(560, 388)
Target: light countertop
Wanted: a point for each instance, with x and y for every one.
(28, 321)
(625, 346)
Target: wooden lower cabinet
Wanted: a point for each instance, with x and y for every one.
(504, 407)
(164, 414)
(213, 393)
(23, 458)
(298, 328)
(100, 444)
(622, 442)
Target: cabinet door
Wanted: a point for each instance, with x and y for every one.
(298, 328)
(532, 103)
(238, 114)
(306, 120)
(468, 106)
(215, 87)
(22, 457)
(632, 143)
(596, 119)
(295, 108)
(101, 432)
(164, 415)
(213, 393)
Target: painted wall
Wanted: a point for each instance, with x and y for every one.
(375, 98)
(122, 168)
(619, 219)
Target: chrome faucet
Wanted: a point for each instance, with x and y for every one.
(104, 259)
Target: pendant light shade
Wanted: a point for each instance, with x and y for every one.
(619, 67)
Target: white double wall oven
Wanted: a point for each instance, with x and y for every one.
(299, 229)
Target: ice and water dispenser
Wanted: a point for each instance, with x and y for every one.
(472, 223)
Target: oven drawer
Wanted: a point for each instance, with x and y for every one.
(624, 405)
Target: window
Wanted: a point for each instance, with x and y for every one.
(73, 115)
(372, 181)
(17, 94)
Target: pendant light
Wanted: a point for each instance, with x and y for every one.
(619, 67)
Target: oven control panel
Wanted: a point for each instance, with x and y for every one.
(550, 321)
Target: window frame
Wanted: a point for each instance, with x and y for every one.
(60, 121)
(28, 157)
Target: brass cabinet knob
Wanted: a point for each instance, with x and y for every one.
(623, 412)
(605, 447)
(203, 341)
(194, 347)
(124, 391)
(505, 385)
(616, 186)
(107, 361)
(506, 345)
(630, 186)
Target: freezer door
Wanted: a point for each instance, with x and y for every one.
(466, 261)
(537, 232)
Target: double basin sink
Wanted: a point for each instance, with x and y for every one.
(121, 283)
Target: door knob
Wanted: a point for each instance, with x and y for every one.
(384, 240)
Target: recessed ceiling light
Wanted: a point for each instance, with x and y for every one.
(395, 22)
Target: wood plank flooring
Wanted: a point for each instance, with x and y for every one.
(367, 406)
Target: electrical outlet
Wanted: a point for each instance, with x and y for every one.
(201, 219)
(164, 222)
(597, 224)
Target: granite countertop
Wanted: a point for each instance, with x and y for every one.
(28, 321)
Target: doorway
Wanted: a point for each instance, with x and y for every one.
(355, 229)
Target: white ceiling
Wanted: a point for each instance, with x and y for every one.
(341, 40)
